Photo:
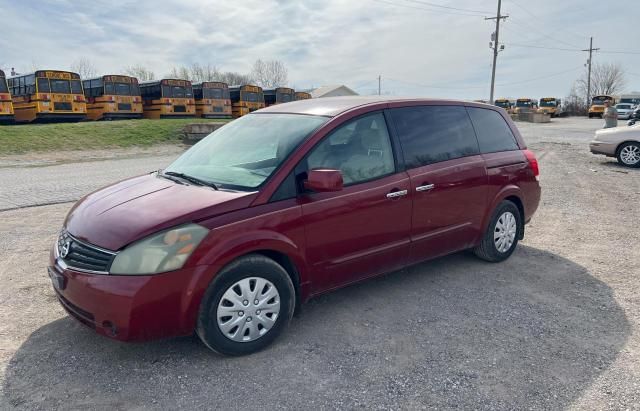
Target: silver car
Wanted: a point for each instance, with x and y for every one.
(624, 110)
(622, 143)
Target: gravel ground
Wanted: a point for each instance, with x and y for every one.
(555, 326)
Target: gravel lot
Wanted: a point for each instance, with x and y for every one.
(555, 326)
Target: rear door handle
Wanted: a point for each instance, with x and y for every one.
(425, 187)
(396, 194)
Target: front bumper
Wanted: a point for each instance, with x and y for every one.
(599, 147)
(132, 308)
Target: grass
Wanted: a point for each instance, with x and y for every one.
(19, 139)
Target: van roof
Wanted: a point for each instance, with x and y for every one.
(332, 106)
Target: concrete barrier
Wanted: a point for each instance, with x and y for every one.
(531, 117)
(197, 131)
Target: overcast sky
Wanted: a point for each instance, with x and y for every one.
(417, 47)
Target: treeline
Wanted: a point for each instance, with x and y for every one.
(264, 73)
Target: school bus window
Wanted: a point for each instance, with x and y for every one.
(123, 89)
(213, 93)
(286, 97)
(60, 86)
(76, 87)
(250, 96)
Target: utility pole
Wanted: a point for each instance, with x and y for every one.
(590, 50)
(379, 84)
(497, 18)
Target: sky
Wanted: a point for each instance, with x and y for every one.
(434, 48)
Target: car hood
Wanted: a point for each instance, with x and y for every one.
(117, 215)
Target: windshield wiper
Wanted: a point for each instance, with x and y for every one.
(175, 180)
(191, 179)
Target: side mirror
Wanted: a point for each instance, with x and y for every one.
(324, 180)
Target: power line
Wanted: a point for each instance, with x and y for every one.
(540, 47)
(537, 31)
(425, 9)
(555, 74)
(426, 3)
(521, 7)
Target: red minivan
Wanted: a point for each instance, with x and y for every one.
(289, 202)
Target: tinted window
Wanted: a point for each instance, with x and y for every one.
(60, 86)
(430, 134)
(3, 85)
(43, 85)
(492, 130)
(76, 87)
(361, 149)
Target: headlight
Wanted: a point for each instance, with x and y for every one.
(165, 251)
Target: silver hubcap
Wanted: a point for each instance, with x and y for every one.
(248, 309)
(505, 232)
(630, 155)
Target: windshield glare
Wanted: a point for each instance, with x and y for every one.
(244, 153)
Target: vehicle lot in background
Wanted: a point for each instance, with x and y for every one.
(624, 110)
(555, 326)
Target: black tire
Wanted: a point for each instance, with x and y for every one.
(624, 161)
(252, 265)
(487, 249)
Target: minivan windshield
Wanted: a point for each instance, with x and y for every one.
(244, 153)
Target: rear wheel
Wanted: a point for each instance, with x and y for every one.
(629, 154)
(501, 236)
(246, 307)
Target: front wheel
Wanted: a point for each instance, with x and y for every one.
(247, 306)
(629, 154)
(501, 236)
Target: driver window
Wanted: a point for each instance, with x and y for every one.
(360, 149)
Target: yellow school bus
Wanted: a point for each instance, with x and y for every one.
(301, 95)
(48, 95)
(112, 97)
(278, 95)
(505, 104)
(550, 105)
(524, 105)
(212, 99)
(245, 99)
(167, 98)
(6, 105)
(597, 105)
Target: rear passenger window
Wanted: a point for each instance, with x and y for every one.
(430, 134)
(492, 130)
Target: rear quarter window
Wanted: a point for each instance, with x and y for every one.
(430, 134)
(493, 132)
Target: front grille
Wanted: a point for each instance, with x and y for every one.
(62, 106)
(179, 109)
(124, 107)
(83, 256)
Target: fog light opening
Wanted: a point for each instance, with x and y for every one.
(110, 327)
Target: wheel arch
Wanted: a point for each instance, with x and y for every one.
(512, 193)
(623, 143)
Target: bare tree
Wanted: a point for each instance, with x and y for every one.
(196, 72)
(575, 103)
(84, 67)
(234, 79)
(606, 79)
(140, 72)
(270, 73)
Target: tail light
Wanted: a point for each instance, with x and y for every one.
(166, 100)
(45, 96)
(533, 162)
(110, 98)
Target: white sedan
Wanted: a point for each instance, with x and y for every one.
(622, 143)
(624, 110)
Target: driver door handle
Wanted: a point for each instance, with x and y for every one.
(425, 187)
(396, 194)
